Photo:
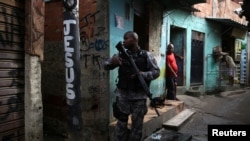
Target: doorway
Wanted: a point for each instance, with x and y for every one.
(197, 58)
(141, 23)
(177, 37)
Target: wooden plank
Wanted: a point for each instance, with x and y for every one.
(12, 135)
(11, 125)
(178, 120)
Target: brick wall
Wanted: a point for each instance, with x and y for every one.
(220, 9)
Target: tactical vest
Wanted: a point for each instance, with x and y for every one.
(125, 71)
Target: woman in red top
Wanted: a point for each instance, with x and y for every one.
(171, 73)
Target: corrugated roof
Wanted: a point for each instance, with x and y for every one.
(227, 21)
(190, 2)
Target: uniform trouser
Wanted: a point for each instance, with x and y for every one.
(170, 85)
(137, 109)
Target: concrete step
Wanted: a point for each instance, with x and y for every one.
(177, 121)
(153, 122)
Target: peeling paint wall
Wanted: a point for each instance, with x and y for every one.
(94, 31)
(53, 71)
(220, 9)
(212, 32)
(102, 25)
(94, 47)
(155, 32)
(118, 11)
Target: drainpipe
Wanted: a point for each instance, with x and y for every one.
(72, 68)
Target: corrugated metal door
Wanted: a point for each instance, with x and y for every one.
(12, 70)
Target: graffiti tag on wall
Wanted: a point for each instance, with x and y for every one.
(12, 31)
(87, 32)
(72, 70)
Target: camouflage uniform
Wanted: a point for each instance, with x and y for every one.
(137, 109)
(130, 101)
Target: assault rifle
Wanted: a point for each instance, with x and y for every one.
(122, 50)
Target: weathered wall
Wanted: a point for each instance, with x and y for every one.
(94, 36)
(12, 67)
(220, 9)
(34, 43)
(155, 31)
(212, 38)
(53, 71)
(212, 8)
(205, 8)
(94, 47)
(117, 11)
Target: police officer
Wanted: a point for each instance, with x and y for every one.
(130, 95)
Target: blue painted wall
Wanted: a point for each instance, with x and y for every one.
(117, 8)
(212, 33)
(177, 18)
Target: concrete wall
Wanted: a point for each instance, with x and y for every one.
(99, 33)
(156, 47)
(94, 48)
(94, 32)
(53, 71)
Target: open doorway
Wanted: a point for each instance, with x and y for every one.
(177, 37)
(140, 27)
(141, 23)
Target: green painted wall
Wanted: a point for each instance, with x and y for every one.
(212, 38)
(117, 10)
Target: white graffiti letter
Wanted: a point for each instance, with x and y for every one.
(67, 26)
(69, 62)
(70, 76)
(70, 93)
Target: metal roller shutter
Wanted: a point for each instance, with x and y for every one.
(12, 27)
